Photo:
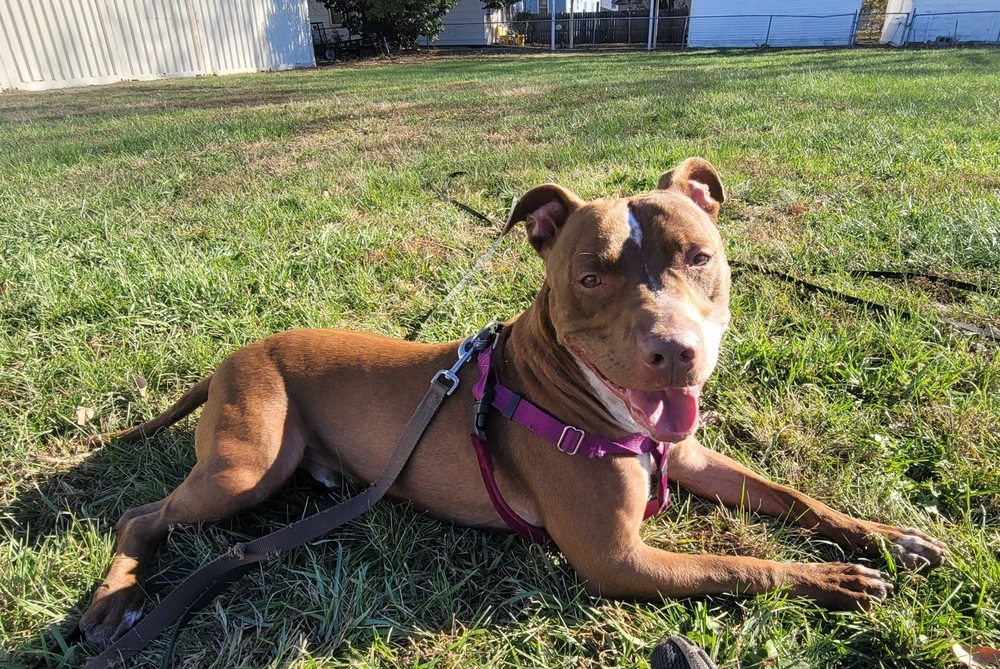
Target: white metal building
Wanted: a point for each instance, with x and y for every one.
(937, 21)
(735, 23)
(58, 43)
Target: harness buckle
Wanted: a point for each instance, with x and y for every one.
(481, 410)
(580, 434)
(480, 342)
(487, 337)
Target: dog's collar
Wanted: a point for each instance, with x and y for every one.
(571, 440)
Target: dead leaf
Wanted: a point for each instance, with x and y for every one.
(83, 415)
(141, 384)
(976, 656)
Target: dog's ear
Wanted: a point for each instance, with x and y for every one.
(544, 210)
(697, 179)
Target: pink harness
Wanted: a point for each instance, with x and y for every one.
(568, 439)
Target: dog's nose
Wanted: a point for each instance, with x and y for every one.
(676, 352)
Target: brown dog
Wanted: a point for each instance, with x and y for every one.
(620, 339)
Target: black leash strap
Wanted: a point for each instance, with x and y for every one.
(198, 588)
(478, 265)
(444, 197)
(875, 306)
(909, 276)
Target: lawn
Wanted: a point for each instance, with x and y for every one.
(149, 229)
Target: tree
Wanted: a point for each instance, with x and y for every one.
(400, 23)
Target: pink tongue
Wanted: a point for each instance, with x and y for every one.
(673, 411)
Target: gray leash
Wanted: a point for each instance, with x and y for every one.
(476, 266)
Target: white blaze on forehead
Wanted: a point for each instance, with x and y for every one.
(635, 235)
(634, 230)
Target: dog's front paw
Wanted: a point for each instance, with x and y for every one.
(911, 547)
(840, 586)
(111, 614)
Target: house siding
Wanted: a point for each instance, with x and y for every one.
(467, 24)
(968, 21)
(561, 6)
(319, 13)
(733, 23)
(57, 43)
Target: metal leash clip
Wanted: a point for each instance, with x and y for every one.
(451, 375)
(480, 342)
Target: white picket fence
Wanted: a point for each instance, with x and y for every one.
(58, 43)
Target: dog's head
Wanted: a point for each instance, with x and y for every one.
(638, 292)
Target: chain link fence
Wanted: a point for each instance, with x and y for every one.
(651, 30)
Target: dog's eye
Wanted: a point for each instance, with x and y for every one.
(700, 258)
(591, 281)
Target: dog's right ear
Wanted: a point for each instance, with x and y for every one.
(697, 179)
(544, 210)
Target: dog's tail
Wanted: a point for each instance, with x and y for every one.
(188, 402)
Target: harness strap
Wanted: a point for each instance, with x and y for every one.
(570, 440)
(216, 575)
(567, 438)
(519, 525)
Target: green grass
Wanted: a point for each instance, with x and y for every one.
(149, 229)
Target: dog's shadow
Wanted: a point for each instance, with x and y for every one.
(393, 572)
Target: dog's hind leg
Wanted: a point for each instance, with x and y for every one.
(246, 452)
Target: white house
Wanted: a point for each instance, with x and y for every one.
(937, 21)
(563, 6)
(58, 43)
(466, 24)
(469, 24)
(735, 23)
(326, 25)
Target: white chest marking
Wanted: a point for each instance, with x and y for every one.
(619, 411)
(646, 460)
(614, 404)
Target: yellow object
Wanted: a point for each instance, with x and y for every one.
(503, 35)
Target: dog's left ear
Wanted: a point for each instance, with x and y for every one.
(544, 210)
(697, 179)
